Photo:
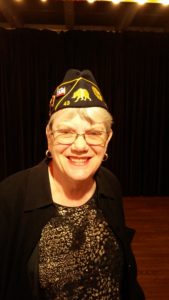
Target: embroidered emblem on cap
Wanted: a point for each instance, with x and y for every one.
(60, 92)
(97, 93)
(81, 94)
(52, 101)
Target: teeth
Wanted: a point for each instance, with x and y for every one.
(78, 159)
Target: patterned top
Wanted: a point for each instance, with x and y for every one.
(80, 258)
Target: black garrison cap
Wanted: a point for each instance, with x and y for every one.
(78, 89)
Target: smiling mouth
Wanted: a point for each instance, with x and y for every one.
(79, 161)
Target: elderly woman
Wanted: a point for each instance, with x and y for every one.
(63, 233)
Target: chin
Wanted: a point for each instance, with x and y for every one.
(80, 176)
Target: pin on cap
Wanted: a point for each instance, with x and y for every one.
(78, 89)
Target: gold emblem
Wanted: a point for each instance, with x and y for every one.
(66, 103)
(97, 93)
(81, 94)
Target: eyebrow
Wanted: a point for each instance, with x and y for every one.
(67, 126)
(61, 125)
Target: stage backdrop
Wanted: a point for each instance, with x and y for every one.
(132, 70)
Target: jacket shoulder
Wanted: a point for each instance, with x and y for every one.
(15, 183)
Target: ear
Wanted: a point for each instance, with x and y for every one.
(109, 137)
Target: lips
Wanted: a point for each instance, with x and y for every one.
(78, 161)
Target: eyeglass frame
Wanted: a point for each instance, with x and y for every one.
(76, 135)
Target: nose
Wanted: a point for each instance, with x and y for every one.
(80, 143)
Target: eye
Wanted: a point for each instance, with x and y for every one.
(94, 132)
(65, 131)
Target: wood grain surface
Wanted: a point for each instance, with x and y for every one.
(149, 216)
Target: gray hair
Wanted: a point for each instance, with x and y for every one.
(87, 113)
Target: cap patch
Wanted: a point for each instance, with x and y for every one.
(81, 95)
(97, 93)
(60, 91)
(52, 102)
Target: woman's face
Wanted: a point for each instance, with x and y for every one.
(78, 161)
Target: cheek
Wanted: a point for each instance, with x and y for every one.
(99, 152)
(58, 149)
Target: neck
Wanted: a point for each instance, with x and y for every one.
(70, 192)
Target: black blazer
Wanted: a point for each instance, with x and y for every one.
(26, 206)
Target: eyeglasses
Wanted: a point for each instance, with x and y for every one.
(92, 137)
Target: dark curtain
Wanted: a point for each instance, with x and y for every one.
(132, 70)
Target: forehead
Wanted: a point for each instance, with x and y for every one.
(64, 115)
(70, 117)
